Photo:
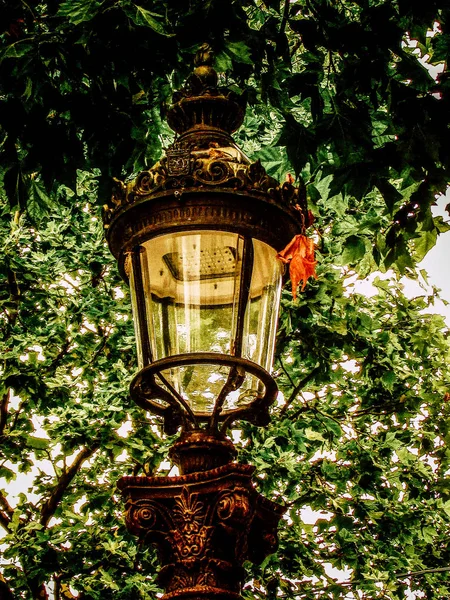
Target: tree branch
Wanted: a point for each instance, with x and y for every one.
(50, 506)
(4, 411)
(424, 571)
(61, 354)
(5, 592)
(4, 522)
(6, 513)
(283, 24)
(6, 506)
(298, 388)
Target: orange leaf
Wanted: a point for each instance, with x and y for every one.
(299, 253)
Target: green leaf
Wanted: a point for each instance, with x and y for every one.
(441, 225)
(37, 443)
(273, 4)
(429, 534)
(275, 161)
(354, 250)
(423, 244)
(223, 62)
(389, 378)
(332, 426)
(312, 435)
(79, 11)
(17, 49)
(145, 18)
(38, 202)
(240, 52)
(7, 474)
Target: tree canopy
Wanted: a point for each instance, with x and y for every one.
(350, 97)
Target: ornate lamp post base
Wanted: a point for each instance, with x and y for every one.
(205, 525)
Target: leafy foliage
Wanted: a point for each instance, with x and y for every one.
(340, 94)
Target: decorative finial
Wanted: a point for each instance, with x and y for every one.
(201, 103)
(204, 77)
(204, 56)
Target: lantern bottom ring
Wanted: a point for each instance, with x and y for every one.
(151, 396)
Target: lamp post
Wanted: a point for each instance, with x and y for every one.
(197, 238)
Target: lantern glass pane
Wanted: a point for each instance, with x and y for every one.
(261, 319)
(191, 285)
(261, 315)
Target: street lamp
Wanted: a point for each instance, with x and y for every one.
(197, 237)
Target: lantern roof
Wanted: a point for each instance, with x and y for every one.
(205, 159)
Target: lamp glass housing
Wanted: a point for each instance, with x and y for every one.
(206, 292)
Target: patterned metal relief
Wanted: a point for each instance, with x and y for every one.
(202, 529)
(187, 168)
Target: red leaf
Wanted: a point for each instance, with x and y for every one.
(299, 253)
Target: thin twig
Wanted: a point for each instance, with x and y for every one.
(423, 571)
(291, 381)
(29, 9)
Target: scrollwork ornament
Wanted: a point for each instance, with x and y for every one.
(145, 182)
(190, 580)
(225, 507)
(215, 172)
(141, 516)
(235, 507)
(185, 169)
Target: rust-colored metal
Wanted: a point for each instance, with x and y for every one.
(200, 450)
(222, 190)
(204, 525)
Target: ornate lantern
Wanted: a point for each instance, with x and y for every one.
(197, 238)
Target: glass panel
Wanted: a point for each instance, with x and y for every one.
(191, 283)
(200, 385)
(261, 317)
(262, 311)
